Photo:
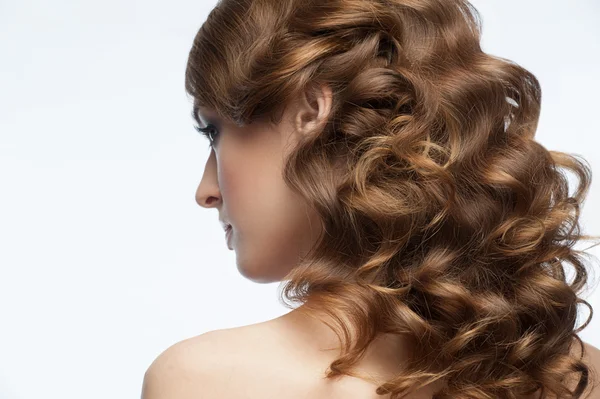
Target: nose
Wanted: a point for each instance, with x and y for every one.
(208, 194)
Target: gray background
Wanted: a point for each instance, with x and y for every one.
(105, 258)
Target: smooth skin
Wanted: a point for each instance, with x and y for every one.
(283, 358)
(271, 226)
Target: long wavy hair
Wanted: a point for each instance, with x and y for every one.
(444, 221)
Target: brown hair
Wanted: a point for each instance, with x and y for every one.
(449, 224)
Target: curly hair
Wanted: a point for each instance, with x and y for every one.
(444, 221)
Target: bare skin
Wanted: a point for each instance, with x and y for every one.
(285, 357)
(272, 227)
(281, 358)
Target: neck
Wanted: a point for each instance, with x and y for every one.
(382, 359)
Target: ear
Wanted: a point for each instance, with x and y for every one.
(314, 109)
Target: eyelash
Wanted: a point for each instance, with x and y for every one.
(206, 133)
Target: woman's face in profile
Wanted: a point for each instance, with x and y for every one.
(270, 226)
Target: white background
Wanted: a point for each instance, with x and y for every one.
(105, 258)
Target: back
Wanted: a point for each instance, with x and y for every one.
(256, 361)
(263, 361)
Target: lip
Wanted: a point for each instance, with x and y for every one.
(224, 224)
(228, 233)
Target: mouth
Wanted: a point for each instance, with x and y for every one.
(224, 225)
(228, 236)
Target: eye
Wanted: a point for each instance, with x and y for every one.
(210, 132)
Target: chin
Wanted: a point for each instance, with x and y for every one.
(257, 275)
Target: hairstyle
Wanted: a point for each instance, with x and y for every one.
(444, 221)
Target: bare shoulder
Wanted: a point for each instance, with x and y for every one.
(591, 356)
(184, 370)
(211, 365)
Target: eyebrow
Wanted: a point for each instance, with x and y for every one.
(195, 115)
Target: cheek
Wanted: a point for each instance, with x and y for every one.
(255, 196)
(232, 179)
(248, 183)
(256, 200)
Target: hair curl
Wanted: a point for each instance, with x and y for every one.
(449, 224)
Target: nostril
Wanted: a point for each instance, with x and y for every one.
(211, 200)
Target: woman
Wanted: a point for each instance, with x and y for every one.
(369, 154)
